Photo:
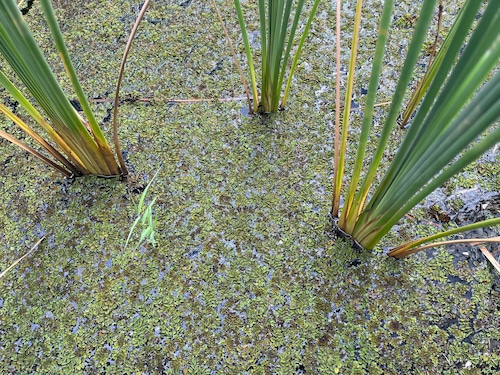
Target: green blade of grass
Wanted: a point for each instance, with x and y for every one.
(460, 23)
(348, 217)
(263, 43)
(428, 123)
(99, 137)
(483, 110)
(145, 218)
(336, 139)
(21, 99)
(248, 52)
(131, 232)
(414, 48)
(385, 224)
(435, 141)
(275, 33)
(275, 19)
(454, 46)
(299, 49)
(20, 50)
(42, 142)
(145, 193)
(280, 59)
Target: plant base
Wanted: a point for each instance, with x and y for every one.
(339, 233)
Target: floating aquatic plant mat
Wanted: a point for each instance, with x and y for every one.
(243, 278)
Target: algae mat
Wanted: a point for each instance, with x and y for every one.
(245, 278)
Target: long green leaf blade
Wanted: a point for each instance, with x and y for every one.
(248, 52)
(99, 137)
(351, 209)
(20, 50)
(483, 110)
(405, 76)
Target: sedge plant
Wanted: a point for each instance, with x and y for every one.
(70, 143)
(454, 124)
(279, 20)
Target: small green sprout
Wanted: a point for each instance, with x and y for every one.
(145, 218)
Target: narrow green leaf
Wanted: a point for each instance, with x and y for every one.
(461, 23)
(100, 139)
(414, 48)
(248, 51)
(352, 208)
(411, 246)
(20, 50)
(483, 110)
(299, 49)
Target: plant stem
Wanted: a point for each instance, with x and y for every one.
(336, 142)
(131, 37)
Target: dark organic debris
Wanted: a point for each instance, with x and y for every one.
(26, 9)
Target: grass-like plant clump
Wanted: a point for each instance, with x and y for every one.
(242, 278)
(452, 117)
(81, 141)
(279, 20)
(80, 145)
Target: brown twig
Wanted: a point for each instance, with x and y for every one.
(20, 259)
(398, 253)
(438, 31)
(490, 257)
(118, 83)
(149, 100)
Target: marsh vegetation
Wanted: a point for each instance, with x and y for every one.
(246, 276)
